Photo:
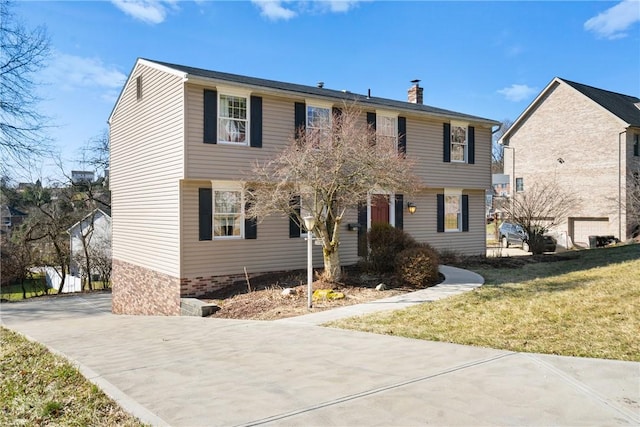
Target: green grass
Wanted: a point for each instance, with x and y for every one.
(40, 388)
(584, 304)
(35, 287)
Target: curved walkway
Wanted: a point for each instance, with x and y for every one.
(456, 282)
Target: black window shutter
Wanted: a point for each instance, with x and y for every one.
(300, 118)
(205, 214)
(440, 213)
(256, 122)
(250, 224)
(446, 142)
(402, 135)
(465, 212)
(471, 145)
(337, 112)
(294, 227)
(399, 207)
(371, 120)
(362, 229)
(210, 116)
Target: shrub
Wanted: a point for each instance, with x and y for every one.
(385, 242)
(418, 266)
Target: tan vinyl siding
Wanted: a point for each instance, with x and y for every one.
(423, 224)
(146, 167)
(425, 145)
(232, 162)
(273, 250)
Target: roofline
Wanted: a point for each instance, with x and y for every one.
(93, 212)
(142, 61)
(331, 93)
(504, 139)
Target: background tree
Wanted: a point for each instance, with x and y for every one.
(324, 172)
(497, 151)
(96, 151)
(538, 209)
(633, 199)
(22, 55)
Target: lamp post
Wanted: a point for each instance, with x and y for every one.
(309, 223)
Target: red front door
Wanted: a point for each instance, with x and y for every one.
(379, 209)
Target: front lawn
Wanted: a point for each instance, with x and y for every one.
(40, 388)
(585, 303)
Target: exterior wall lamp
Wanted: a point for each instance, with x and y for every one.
(411, 208)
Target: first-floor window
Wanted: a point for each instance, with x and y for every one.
(519, 184)
(452, 212)
(227, 214)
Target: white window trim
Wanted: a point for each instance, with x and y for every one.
(237, 92)
(217, 186)
(453, 192)
(466, 141)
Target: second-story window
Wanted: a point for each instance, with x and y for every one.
(519, 184)
(458, 142)
(318, 118)
(232, 119)
(636, 145)
(387, 129)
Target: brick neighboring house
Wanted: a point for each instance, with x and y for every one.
(183, 140)
(587, 140)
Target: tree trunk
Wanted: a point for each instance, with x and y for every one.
(332, 270)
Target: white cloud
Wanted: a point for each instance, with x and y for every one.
(149, 11)
(517, 93)
(69, 72)
(613, 22)
(287, 9)
(274, 9)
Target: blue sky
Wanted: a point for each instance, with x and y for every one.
(484, 58)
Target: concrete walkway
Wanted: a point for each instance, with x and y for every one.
(190, 371)
(456, 281)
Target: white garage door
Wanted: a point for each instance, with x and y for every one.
(583, 228)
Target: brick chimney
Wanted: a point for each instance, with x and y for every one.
(415, 92)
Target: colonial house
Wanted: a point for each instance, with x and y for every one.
(586, 140)
(184, 139)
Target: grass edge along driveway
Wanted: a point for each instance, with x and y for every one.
(585, 305)
(38, 387)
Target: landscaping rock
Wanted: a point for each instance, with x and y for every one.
(288, 292)
(381, 287)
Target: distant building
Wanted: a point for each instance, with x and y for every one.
(500, 183)
(78, 177)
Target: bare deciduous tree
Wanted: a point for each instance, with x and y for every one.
(633, 199)
(22, 54)
(96, 151)
(538, 209)
(324, 172)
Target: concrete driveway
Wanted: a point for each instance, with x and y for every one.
(188, 371)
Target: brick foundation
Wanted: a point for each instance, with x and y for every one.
(199, 286)
(138, 290)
